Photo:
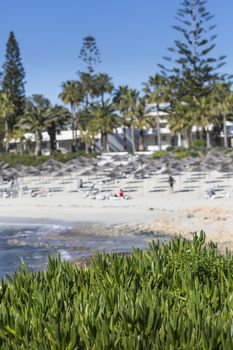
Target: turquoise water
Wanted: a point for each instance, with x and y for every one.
(33, 244)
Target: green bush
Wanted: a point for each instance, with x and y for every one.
(174, 296)
(179, 153)
(159, 154)
(199, 144)
(186, 153)
(28, 159)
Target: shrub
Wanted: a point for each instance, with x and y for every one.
(159, 154)
(174, 296)
(29, 159)
(199, 144)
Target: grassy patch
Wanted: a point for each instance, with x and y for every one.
(29, 159)
(179, 153)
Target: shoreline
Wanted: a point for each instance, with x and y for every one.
(147, 210)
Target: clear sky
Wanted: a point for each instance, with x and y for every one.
(132, 36)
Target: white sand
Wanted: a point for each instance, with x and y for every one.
(176, 213)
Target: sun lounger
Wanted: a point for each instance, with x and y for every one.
(43, 192)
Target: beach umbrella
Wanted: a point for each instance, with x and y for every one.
(88, 173)
(141, 174)
(82, 159)
(115, 174)
(3, 165)
(226, 167)
(10, 172)
(119, 158)
(69, 169)
(55, 164)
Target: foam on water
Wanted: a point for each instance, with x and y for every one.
(33, 243)
(64, 254)
(27, 242)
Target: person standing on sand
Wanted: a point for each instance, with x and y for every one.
(171, 182)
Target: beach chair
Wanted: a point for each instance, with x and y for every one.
(43, 192)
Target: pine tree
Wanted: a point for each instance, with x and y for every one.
(192, 69)
(90, 53)
(193, 62)
(13, 79)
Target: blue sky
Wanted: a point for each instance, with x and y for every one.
(132, 36)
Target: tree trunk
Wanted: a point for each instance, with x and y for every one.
(124, 138)
(102, 139)
(75, 132)
(73, 128)
(225, 130)
(158, 130)
(198, 136)
(52, 135)
(208, 144)
(38, 140)
(7, 146)
(105, 140)
(179, 140)
(141, 140)
(203, 134)
(87, 147)
(132, 137)
(188, 138)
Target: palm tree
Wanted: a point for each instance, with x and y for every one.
(180, 118)
(34, 121)
(87, 85)
(57, 117)
(223, 102)
(40, 116)
(72, 94)
(157, 93)
(119, 100)
(143, 120)
(205, 114)
(130, 101)
(87, 132)
(37, 100)
(102, 85)
(104, 120)
(6, 108)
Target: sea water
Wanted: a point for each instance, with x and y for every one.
(33, 243)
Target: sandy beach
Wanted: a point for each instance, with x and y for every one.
(150, 206)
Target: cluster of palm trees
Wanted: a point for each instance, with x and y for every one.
(93, 113)
(96, 108)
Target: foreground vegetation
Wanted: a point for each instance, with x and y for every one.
(175, 296)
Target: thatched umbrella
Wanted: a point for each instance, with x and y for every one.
(53, 163)
(88, 173)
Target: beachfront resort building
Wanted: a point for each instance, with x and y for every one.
(116, 139)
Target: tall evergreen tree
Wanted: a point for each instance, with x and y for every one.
(90, 53)
(13, 78)
(192, 68)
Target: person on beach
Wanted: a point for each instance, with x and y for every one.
(211, 192)
(171, 182)
(79, 182)
(121, 194)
